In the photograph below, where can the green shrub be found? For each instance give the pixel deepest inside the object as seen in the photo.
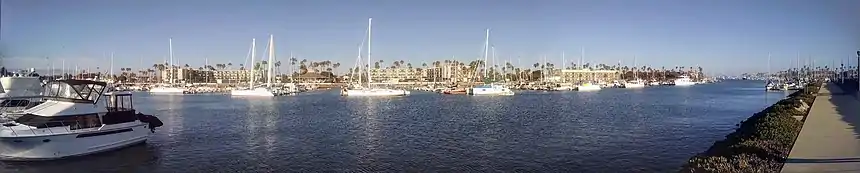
(762, 142)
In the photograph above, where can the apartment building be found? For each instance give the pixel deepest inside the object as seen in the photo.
(583, 75)
(397, 75)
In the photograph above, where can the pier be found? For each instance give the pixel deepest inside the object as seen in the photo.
(830, 138)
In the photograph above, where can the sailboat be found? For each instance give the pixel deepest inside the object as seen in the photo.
(637, 82)
(168, 88)
(370, 90)
(587, 85)
(259, 91)
(488, 88)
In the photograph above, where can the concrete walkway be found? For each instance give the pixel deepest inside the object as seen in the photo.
(830, 138)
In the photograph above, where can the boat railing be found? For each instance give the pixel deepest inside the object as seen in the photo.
(49, 130)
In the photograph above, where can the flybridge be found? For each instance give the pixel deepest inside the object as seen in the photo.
(80, 91)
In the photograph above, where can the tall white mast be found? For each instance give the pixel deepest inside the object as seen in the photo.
(767, 78)
(369, 32)
(494, 62)
(486, 49)
(253, 54)
(170, 64)
(635, 72)
(563, 63)
(358, 63)
(582, 57)
(271, 60)
(111, 65)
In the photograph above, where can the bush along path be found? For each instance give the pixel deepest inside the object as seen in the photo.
(762, 142)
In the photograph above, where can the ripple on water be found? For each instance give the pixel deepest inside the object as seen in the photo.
(651, 129)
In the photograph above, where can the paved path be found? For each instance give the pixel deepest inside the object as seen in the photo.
(830, 138)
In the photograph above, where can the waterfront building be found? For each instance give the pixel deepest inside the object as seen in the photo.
(584, 75)
(187, 75)
(449, 71)
(234, 76)
(397, 75)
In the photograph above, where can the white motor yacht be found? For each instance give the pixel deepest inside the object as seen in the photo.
(260, 91)
(19, 91)
(684, 81)
(374, 92)
(489, 89)
(587, 87)
(164, 89)
(634, 84)
(70, 123)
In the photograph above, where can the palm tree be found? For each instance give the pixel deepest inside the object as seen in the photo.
(335, 65)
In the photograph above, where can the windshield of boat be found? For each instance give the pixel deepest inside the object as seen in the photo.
(74, 91)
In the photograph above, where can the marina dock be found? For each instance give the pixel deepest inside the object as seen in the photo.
(830, 138)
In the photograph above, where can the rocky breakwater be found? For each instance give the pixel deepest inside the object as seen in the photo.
(762, 142)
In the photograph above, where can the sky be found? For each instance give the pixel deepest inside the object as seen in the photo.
(727, 36)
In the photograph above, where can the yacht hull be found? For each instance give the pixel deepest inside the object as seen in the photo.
(375, 92)
(52, 147)
(495, 90)
(588, 88)
(254, 92)
(166, 90)
(684, 83)
(639, 85)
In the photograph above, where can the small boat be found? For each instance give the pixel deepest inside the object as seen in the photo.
(587, 87)
(374, 92)
(70, 123)
(455, 91)
(165, 89)
(684, 81)
(634, 84)
(489, 89)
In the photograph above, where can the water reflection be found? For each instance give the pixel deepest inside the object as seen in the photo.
(654, 129)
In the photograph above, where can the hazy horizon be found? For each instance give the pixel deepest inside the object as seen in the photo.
(727, 37)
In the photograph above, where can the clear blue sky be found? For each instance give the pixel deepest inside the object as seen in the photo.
(722, 36)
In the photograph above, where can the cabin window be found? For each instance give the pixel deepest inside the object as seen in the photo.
(74, 121)
(119, 117)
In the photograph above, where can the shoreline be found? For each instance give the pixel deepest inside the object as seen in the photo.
(761, 142)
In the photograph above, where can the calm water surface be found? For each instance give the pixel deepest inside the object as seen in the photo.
(653, 129)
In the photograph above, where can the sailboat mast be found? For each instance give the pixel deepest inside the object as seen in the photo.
(635, 72)
(486, 49)
(253, 54)
(494, 62)
(359, 65)
(172, 71)
(768, 67)
(271, 60)
(369, 32)
(563, 63)
(111, 65)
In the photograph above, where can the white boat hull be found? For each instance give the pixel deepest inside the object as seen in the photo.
(375, 92)
(634, 85)
(166, 90)
(684, 83)
(588, 88)
(255, 92)
(491, 91)
(50, 147)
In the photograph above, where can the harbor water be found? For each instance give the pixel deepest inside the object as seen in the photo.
(654, 129)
